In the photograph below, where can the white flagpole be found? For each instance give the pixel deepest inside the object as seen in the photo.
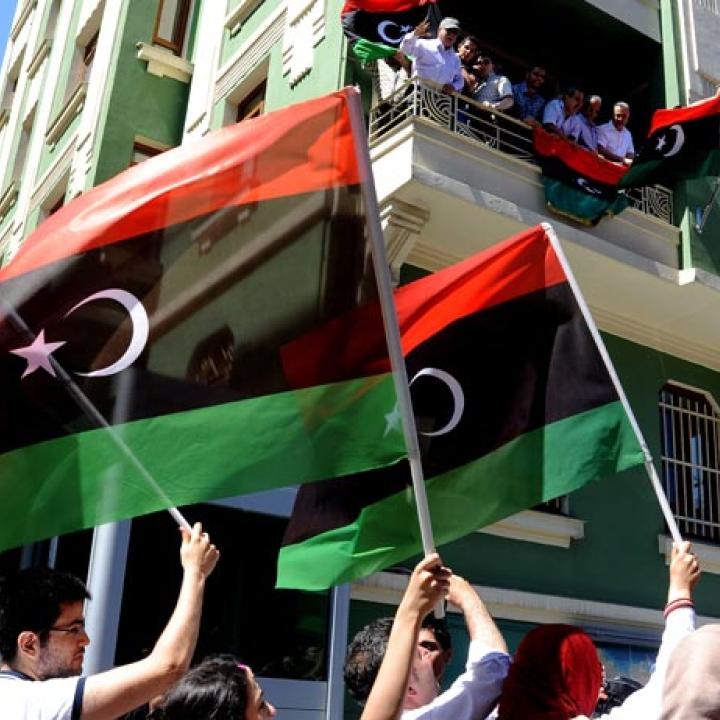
(392, 332)
(649, 465)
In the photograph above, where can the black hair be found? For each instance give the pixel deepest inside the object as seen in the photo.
(364, 657)
(439, 627)
(31, 600)
(472, 39)
(216, 689)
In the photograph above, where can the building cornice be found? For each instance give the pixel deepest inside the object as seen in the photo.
(8, 197)
(538, 527)
(40, 54)
(164, 64)
(237, 16)
(529, 607)
(22, 19)
(67, 114)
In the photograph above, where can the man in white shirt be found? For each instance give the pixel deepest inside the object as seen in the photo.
(560, 114)
(387, 651)
(435, 59)
(43, 641)
(615, 142)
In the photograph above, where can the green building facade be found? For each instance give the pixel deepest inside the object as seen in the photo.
(90, 87)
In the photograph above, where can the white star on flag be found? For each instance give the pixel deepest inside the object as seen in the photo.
(38, 354)
(662, 142)
(393, 420)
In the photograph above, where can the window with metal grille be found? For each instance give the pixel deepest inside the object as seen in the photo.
(689, 421)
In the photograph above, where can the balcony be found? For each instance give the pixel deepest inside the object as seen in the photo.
(431, 146)
(448, 189)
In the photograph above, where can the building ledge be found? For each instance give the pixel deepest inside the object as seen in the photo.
(67, 114)
(8, 197)
(238, 15)
(538, 527)
(24, 15)
(164, 64)
(708, 555)
(530, 607)
(42, 52)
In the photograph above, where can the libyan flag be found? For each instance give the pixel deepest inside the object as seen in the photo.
(682, 144)
(578, 184)
(376, 27)
(514, 406)
(142, 330)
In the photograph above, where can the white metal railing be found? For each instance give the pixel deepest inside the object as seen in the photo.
(469, 119)
(690, 461)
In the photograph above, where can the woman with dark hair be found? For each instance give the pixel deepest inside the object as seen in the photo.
(557, 675)
(219, 688)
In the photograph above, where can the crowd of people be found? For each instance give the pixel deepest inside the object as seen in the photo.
(472, 72)
(394, 666)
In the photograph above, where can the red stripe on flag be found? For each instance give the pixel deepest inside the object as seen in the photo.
(304, 148)
(383, 6)
(354, 344)
(518, 266)
(579, 159)
(697, 111)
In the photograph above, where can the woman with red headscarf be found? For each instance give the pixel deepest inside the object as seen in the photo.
(556, 673)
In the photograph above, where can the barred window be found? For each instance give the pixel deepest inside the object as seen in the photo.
(689, 425)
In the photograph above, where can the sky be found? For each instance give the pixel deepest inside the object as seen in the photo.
(7, 10)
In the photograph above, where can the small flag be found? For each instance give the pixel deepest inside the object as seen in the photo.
(160, 302)
(514, 406)
(578, 184)
(383, 22)
(683, 143)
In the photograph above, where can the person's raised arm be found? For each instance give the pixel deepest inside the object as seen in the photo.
(479, 623)
(124, 688)
(428, 584)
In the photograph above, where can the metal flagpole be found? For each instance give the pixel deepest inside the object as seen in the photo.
(392, 332)
(83, 401)
(649, 465)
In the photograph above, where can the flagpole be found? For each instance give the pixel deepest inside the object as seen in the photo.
(649, 465)
(85, 404)
(392, 332)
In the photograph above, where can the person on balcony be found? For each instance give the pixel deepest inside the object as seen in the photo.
(560, 114)
(468, 52)
(615, 142)
(494, 91)
(529, 103)
(435, 60)
(587, 130)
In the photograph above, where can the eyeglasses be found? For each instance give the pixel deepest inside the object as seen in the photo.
(77, 628)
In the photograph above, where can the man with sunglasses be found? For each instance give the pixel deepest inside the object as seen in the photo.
(43, 641)
(435, 60)
(493, 91)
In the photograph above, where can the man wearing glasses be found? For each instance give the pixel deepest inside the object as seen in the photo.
(43, 641)
(493, 91)
(435, 60)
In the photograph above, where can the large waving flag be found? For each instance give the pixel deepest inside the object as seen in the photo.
(376, 27)
(142, 329)
(514, 406)
(578, 184)
(682, 143)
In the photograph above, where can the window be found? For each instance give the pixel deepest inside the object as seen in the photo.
(143, 151)
(171, 24)
(253, 104)
(689, 425)
(280, 633)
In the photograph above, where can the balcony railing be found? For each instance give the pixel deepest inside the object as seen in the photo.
(465, 117)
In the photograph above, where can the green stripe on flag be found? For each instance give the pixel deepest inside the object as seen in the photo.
(531, 469)
(83, 480)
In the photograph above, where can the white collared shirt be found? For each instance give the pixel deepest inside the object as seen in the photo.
(433, 61)
(618, 142)
(474, 694)
(56, 699)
